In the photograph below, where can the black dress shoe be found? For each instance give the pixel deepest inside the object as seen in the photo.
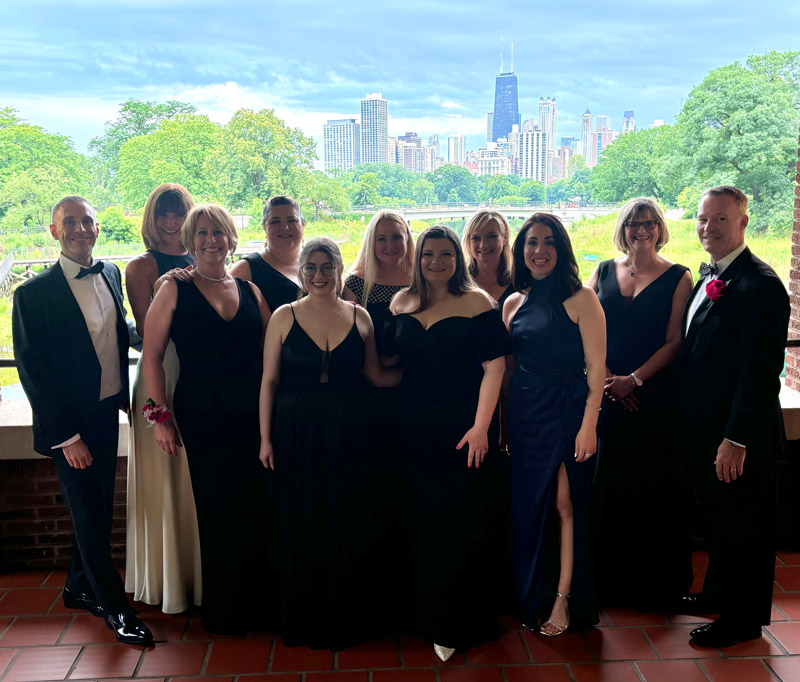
(81, 600)
(721, 634)
(129, 629)
(695, 604)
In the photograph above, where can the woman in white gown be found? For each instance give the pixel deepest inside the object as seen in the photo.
(163, 547)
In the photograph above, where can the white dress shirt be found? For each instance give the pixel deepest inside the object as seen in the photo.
(100, 313)
(700, 296)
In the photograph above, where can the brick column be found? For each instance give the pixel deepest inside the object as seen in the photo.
(793, 356)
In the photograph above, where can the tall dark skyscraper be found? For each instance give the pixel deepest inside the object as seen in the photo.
(506, 105)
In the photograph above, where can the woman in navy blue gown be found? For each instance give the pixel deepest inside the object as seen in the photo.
(554, 398)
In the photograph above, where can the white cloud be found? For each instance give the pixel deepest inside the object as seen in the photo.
(452, 105)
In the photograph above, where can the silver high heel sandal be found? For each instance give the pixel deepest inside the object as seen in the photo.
(444, 653)
(559, 629)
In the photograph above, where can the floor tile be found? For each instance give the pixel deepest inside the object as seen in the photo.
(688, 619)
(417, 653)
(238, 657)
(788, 577)
(139, 679)
(165, 627)
(282, 677)
(5, 658)
(567, 648)
(699, 558)
(116, 660)
(732, 670)
(38, 665)
(34, 631)
(675, 642)
(775, 615)
(632, 617)
(471, 674)
(215, 678)
(507, 649)
(379, 654)
(23, 579)
(4, 623)
(788, 669)
(88, 630)
(197, 631)
(788, 634)
(173, 658)
(619, 644)
(537, 673)
(604, 672)
(763, 646)
(789, 604)
(790, 558)
(405, 675)
(670, 671)
(55, 579)
(299, 659)
(347, 676)
(27, 602)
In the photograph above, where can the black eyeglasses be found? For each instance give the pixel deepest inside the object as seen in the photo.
(309, 269)
(634, 225)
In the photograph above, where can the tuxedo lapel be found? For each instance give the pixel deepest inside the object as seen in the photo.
(116, 294)
(687, 307)
(66, 313)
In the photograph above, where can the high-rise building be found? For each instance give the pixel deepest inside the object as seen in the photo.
(571, 142)
(628, 122)
(657, 123)
(456, 149)
(433, 141)
(411, 138)
(547, 120)
(534, 160)
(341, 144)
(601, 138)
(603, 122)
(489, 126)
(506, 105)
(374, 129)
(586, 133)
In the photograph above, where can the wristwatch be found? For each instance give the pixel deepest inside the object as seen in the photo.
(636, 380)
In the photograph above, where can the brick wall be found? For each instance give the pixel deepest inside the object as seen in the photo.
(793, 355)
(35, 529)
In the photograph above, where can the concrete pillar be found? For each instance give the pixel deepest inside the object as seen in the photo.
(793, 356)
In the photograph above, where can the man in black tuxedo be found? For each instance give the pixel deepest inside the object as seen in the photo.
(735, 328)
(71, 345)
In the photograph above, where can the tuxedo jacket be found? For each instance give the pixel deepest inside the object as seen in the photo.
(730, 363)
(57, 362)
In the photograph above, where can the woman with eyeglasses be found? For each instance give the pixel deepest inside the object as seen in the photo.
(317, 353)
(637, 491)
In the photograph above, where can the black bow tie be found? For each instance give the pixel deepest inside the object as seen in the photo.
(706, 269)
(96, 269)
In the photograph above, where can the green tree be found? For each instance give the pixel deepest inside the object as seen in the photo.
(323, 193)
(395, 181)
(364, 192)
(558, 190)
(423, 191)
(449, 181)
(184, 150)
(740, 126)
(494, 187)
(115, 226)
(135, 118)
(532, 190)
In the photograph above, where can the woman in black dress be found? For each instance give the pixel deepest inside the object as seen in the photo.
(316, 355)
(217, 323)
(638, 489)
(451, 341)
(554, 396)
(487, 250)
(274, 269)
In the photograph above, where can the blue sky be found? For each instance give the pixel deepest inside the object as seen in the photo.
(67, 65)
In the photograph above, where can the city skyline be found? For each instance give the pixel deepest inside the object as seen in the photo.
(67, 68)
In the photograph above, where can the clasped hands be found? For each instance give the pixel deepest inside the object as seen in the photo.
(620, 390)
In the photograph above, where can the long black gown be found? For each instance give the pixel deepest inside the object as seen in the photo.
(276, 287)
(641, 515)
(546, 403)
(449, 507)
(323, 501)
(216, 406)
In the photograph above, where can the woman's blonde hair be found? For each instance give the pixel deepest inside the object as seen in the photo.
(366, 263)
(166, 198)
(638, 208)
(477, 221)
(218, 216)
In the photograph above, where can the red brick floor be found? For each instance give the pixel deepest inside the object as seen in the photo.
(40, 640)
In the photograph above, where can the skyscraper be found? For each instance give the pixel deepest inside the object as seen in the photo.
(342, 144)
(433, 141)
(506, 105)
(628, 122)
(489, 126)
(603, 122)
(456, 149)
(374, 129)
(586, 133)
(534, 160)
(547, 120)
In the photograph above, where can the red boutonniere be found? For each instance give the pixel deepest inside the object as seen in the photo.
(716, 289)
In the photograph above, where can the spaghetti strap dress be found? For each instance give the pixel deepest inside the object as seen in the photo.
(276, 287)
(216, 408)
(162, 559)
(323, 587)
(546, 402)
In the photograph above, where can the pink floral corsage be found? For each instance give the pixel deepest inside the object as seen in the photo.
(716, 289)
(155, 414)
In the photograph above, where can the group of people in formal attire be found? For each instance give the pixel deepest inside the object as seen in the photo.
(452, 429)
